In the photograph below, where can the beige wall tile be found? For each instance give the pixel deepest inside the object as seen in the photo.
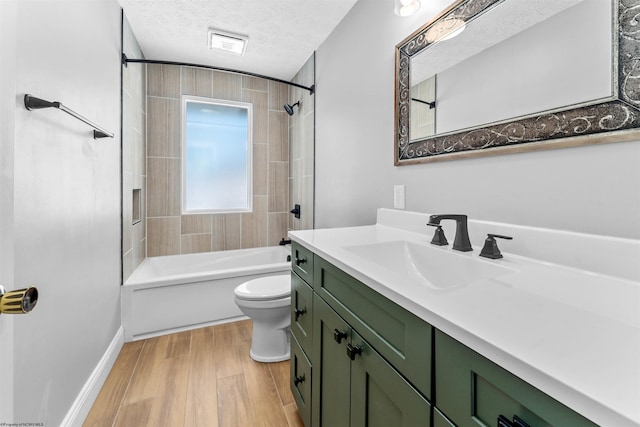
(227, 86)
(260, 169)
(278, 96)
(139, 242)
(163, 195)
(278, 186)
(163, 139)
(194, 243)
(163, 236)
(254, 224)
(226, 232)
(278, 136)
(307, 204)
(255, 83)
(270, 138)
(260, 116)
(163, 80)
(196, 224)
(278, 223)
(197, 81)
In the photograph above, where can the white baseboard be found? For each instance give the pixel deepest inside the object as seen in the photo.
(84, 401)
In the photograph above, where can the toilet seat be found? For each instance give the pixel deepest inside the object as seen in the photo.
(265, 288)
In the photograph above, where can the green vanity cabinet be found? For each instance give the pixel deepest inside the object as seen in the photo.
(353, 385)
(473, 391)
(359, 359)
(402, 338)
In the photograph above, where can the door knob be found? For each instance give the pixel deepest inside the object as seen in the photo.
(19, 301)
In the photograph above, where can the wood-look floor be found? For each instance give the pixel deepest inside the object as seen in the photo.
(202, 377)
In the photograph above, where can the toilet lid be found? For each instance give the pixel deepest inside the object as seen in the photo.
(270, 287)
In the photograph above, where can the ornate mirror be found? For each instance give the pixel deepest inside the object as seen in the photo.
(495, 76)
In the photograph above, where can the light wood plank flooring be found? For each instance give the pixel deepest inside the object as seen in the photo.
(202, 377)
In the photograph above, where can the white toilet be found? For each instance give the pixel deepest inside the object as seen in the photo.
(267, 301)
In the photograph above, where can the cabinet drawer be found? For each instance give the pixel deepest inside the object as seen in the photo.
(301, 381)
(472, 391)
(403, 339)
(302, 262)
(302, 312)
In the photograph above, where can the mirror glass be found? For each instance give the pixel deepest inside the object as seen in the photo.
(563, 38)
(512, 67)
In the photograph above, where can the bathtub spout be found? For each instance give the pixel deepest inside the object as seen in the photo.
(284, 242)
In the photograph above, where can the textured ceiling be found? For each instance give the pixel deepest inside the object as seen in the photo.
(283, 34)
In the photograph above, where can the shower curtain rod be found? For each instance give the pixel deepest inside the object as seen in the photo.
(33, 103)
(126, 60)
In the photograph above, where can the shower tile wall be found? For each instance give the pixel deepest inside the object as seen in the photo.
(169, 232)
(302, 137)
(133, 155)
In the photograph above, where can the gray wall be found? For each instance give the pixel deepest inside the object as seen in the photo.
(592, 189)
(60, 197)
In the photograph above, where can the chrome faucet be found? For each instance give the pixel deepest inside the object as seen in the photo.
(461, 241)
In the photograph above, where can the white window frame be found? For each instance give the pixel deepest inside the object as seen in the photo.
(223, 102)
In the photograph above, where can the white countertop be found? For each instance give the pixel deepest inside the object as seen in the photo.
(572, 333)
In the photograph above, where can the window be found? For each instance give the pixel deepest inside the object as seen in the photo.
(216, 156)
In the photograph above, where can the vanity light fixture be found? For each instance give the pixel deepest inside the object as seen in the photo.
(227, 42)
(406, 7)
(445, 30)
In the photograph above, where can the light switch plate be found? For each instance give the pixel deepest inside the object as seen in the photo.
(399, 196)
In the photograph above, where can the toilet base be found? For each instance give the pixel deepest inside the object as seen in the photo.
(270, 345)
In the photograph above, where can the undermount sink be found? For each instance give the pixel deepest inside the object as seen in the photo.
(435, 267)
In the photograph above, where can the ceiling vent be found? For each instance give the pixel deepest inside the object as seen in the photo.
(227, 42)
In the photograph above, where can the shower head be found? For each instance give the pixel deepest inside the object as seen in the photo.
(289, 108)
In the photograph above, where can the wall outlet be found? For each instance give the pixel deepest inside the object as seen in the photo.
(398, 197)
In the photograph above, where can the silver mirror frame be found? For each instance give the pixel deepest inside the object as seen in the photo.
(613, 120)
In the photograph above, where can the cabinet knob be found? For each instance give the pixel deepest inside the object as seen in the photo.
(300, 261)
(298, 380)
(353, 351)
(338, 335)
(298, 312)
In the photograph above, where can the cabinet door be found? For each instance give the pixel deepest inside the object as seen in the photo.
(331, 367)
(473, 391)
(301, 381)
(302, 312)
(380, 396)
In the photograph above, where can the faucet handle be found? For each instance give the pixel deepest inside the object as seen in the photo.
(438, 237)
(490, 249)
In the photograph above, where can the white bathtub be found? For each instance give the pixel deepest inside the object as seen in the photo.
(179, 292)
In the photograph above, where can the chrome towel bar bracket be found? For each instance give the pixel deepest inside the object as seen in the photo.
(33, 103)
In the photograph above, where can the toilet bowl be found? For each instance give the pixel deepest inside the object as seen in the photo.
(267, 301)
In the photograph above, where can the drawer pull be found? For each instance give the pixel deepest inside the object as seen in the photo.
(298, 380)
(299, 312)
(300, 261)
(353, 351)
(517, 422)
(339, 335)
(503, 421)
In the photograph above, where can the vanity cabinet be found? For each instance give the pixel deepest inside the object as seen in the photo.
(473, 391)
(353, 385)
(359, 359)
